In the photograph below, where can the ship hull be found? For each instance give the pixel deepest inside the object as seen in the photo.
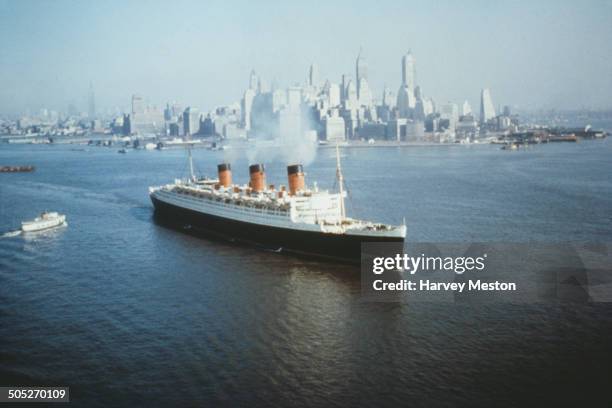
(339, 247)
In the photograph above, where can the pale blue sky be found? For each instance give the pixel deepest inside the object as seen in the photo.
(531, 54)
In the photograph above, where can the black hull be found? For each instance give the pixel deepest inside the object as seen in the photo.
(343, 248)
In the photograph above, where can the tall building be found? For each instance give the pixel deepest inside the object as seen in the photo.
(246, 107)
(388, 98)
(253, 81)
(91, 102)
(351, 95)
(313, 76)
(406, 100)
(344, 87)
(408, 70)
(137, 105)
(365, 95)
(191, 121)
(487, 109)
(294, 97)
(334, 127)
(361, 70)
(264, 120)
(334, 95)
(145, 119)
(450, 112)
(466, 109)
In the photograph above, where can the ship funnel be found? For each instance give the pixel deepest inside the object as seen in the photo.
(225, 174)
(258, 177)
(295, 174)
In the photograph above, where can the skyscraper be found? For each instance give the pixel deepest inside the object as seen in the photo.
(344, 87)
(361, 70)
(191, 121)
(247, 106)
(365, 96)
(253, 80)
(408, 70)
(406, 100)
(466, 109)
(313, 75)
(137, 105)
(487, 109)
(334, 95)
(351, 95)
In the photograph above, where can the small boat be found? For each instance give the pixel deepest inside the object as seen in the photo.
(123, 151)
(16, 169)
(45, 221)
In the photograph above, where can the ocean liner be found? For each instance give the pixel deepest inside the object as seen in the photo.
(295, 219)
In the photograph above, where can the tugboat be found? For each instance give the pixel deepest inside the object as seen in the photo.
(295, 219)
(45, 221)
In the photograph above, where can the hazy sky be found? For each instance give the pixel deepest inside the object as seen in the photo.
(531, 54)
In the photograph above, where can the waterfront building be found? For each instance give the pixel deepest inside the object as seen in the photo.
(127, 125)
(487, 109)
(137, 105)
(396, 129)
(432, 123)
(174, 129)
(415, 131)
(450, 112)
(371, 130)
(351, 121)
(334, 127)
(145, 119)
(467, 127)
(246, 107)
(233, 131)
(207, 126)
(191, 121)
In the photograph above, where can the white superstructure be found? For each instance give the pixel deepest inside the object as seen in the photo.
(309, 210)
(45, 221)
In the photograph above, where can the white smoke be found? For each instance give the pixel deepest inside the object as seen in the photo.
(288, 136)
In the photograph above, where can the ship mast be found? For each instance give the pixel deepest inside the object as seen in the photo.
(340, 183)
(191, 173)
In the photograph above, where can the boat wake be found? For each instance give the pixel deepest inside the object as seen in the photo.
(10, 234)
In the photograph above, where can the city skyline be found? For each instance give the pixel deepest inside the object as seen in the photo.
(465, 49)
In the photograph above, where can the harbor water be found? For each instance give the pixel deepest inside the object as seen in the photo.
(127, 312)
